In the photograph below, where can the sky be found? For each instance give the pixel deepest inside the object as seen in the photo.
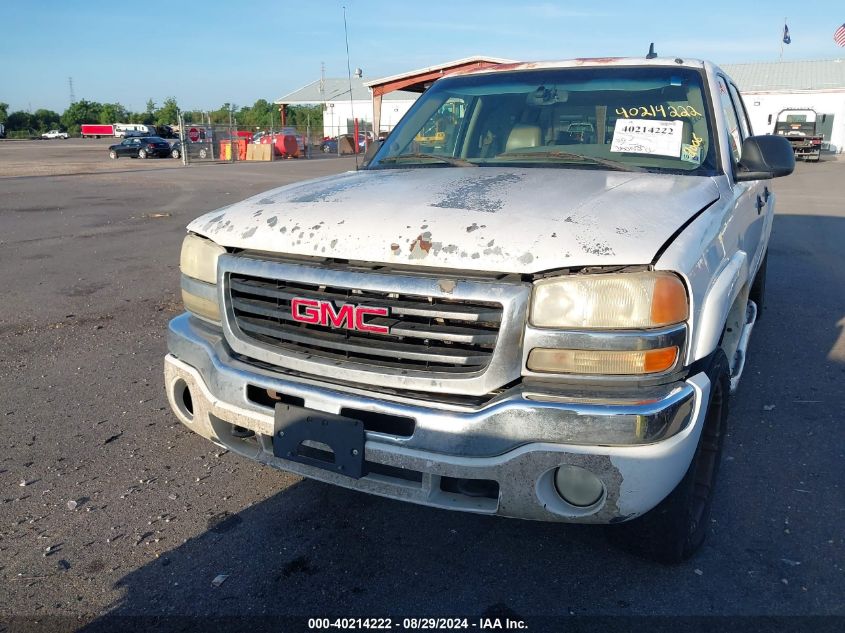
(214, 52)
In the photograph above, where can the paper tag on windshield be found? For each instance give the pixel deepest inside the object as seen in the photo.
(642, 136)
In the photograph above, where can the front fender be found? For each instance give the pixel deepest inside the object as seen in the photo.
(721, 295)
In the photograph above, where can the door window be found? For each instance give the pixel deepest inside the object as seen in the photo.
(739, 105)
(731, 120)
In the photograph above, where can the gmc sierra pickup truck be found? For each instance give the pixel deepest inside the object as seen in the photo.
(541, 315)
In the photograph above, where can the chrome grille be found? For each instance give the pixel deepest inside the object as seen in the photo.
(425, 333)
(449, 333)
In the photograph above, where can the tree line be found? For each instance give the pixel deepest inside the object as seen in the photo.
(261, 115)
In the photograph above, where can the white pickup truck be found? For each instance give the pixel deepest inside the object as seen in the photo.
(538, 312)
(54, 134)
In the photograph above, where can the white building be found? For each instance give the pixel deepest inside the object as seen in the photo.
(341, 108)
(769, 87)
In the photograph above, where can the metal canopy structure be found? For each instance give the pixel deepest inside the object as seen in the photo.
(419, 80)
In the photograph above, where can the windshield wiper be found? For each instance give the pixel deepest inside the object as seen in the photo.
(448, 160)
(611, 164)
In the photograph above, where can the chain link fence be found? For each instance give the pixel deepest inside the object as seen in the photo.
(201, 141)
(204, 141)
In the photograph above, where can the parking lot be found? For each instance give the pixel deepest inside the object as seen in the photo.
(110, 506)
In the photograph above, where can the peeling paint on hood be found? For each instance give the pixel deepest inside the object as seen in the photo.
(488, 219)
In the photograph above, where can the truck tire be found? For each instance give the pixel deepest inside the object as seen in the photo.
(757, 294)
(674, 530)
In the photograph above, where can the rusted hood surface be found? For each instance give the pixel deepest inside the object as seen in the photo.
(486, 219)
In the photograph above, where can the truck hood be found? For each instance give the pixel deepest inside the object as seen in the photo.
(483, 219)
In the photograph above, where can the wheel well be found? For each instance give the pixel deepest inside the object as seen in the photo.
(729, 339)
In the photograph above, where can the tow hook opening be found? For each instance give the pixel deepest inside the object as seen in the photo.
(486, 488)
(183, 399)
(241, 432)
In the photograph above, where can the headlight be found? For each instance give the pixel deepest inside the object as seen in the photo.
(618, 301)
(199, 258)
(199, 263)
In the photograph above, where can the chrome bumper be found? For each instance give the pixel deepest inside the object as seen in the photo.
(517, 439)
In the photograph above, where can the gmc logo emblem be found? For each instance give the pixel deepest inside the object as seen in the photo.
(348, 316)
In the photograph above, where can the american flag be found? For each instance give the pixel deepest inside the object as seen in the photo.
(839, 35)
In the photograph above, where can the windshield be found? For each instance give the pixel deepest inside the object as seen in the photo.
(621, 118)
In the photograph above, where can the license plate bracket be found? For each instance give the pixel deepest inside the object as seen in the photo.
(344, 436)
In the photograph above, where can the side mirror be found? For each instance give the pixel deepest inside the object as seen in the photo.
(765, 157)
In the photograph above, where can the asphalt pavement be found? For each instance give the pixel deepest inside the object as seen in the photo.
(110, 506)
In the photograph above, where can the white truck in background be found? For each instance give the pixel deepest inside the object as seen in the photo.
(53, 134)
(540, 316)
(122, 130)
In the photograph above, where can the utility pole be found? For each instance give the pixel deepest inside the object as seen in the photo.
(70, 87)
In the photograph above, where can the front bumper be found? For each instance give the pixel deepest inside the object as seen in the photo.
(517, 440)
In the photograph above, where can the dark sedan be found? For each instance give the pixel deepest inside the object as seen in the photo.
(140, 147)
(200, 149)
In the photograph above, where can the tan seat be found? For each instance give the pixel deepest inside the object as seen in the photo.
(523, 136)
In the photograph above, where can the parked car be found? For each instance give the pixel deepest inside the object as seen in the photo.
(165, 131)
(548, 329)
(140, 147)
(54, 134)
(329, 146)
(199, 149)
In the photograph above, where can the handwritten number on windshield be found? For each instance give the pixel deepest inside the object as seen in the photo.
(675, 112)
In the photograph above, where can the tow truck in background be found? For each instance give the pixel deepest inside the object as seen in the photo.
(800, 127)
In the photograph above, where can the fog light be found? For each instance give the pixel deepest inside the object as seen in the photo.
(578, 486)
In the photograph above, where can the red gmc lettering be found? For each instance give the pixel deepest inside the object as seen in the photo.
(361, 312)
(347, 316)
(310, 312)
(340, 318)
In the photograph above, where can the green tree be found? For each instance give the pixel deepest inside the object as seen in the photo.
(43, 120)
(113, 113)
(301, 117)
(261, 114)
(141, 117)
(168, 113)
(222, 114)
(19, 120)
(4, 112)
(80, 112)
